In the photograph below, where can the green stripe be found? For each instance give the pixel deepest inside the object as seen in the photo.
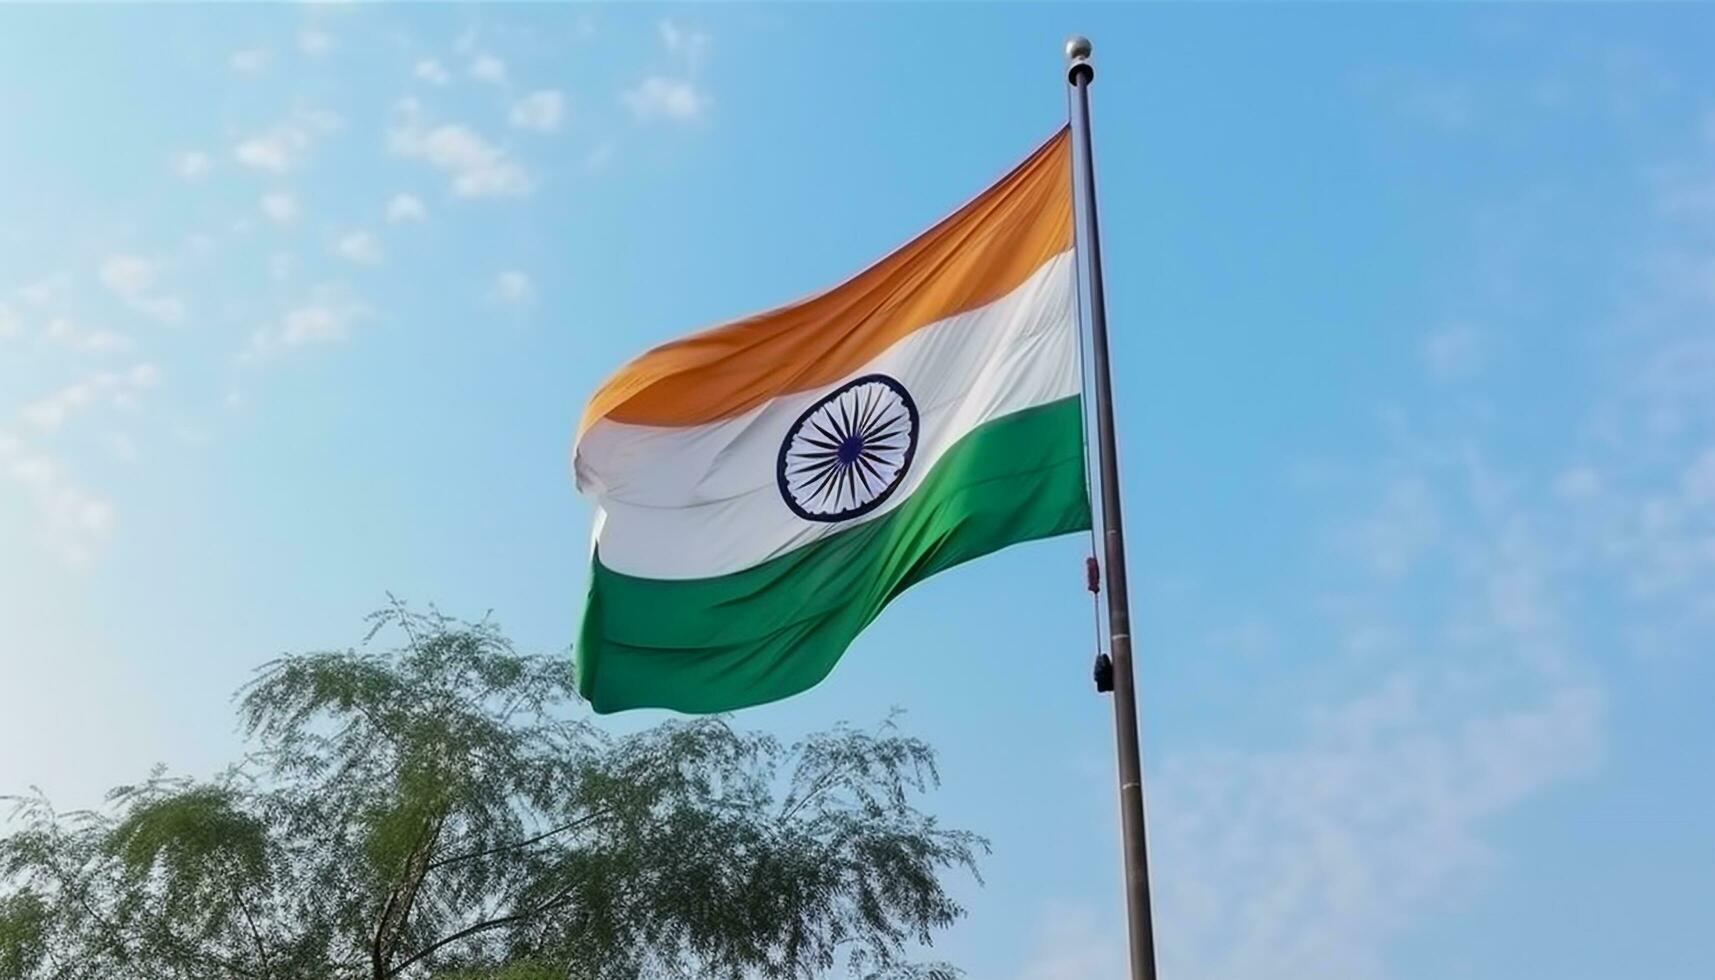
(767, 632)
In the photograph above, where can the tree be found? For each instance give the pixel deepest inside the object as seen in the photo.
(437, 810)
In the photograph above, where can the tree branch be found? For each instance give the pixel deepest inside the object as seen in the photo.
(570, 825)
(821, 784)
(484, 926)
(117, 934)
(250, 920)
(399, 900)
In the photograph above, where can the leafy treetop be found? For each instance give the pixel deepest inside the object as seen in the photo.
(435, 809)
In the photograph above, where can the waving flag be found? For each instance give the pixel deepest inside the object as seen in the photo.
(765, 487)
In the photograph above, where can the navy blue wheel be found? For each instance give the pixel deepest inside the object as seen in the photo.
(849, 451)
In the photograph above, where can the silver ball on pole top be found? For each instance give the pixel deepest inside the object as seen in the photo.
(1078, 50)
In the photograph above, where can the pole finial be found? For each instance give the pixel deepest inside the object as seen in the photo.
(1078, 49)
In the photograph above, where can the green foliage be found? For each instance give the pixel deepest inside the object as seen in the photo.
(436, 810)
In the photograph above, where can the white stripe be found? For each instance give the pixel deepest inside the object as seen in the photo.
(700, 501)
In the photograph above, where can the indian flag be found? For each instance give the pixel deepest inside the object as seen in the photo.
(764, 488)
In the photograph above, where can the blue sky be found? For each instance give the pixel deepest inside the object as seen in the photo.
(1414, 317)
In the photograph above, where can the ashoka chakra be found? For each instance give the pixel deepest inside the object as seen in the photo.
(848, 452)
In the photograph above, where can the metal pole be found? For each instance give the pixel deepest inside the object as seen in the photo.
(1079, 74)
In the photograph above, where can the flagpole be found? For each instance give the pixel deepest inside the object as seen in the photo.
(1079, 74)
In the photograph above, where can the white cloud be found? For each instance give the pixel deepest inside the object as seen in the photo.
(166, 309)
(191, 435)
(280, 266)
(50, 412)
(145, 375)
(1685, 195)
(360, 247)
(11, 324)
(1247, 639)
(1404, 529)
(103, 340)
(431, 71)
(99, 341)
(327, 318)
(47, 291)
(314, 43)
(1579, 483)
(488, 68)
(540, 111)
(1456, 351)
(72, 520)
(477, 168)
(284, 145)
(133, 279)
(1447, 105)
(122, 447)
(1309, 859)
(250, 61)
(599, 157)
(279, 206)
(672, 99)
(192, 165)
(513, 287)
(315, 325)
(406, 207)
(120, 388)
(1074, 942)
(688, 45)
(128, 275)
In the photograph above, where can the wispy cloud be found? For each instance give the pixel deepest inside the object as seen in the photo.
(319, 324)
(660, 98)
(283, 146)
(314, 42)
(512, 288)
(281, 266)
(1448, 105)
(250, 61)
(686, 44)
(192, 165)
(599, 157)
(406, 207)
(432, 71)
(1070, 945)
(540, 111)
(64, 332)
(328, 318)
(119, 389)
(72, 520)
(487, 67)
(673, 96)
(1401, 531)
(477, 167)
(46, 291)
(134, 279)
(1455, 351)
(360, 247)
(279, 207)
(1309, 859)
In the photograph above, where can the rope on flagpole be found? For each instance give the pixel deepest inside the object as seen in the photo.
(1103, 670)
